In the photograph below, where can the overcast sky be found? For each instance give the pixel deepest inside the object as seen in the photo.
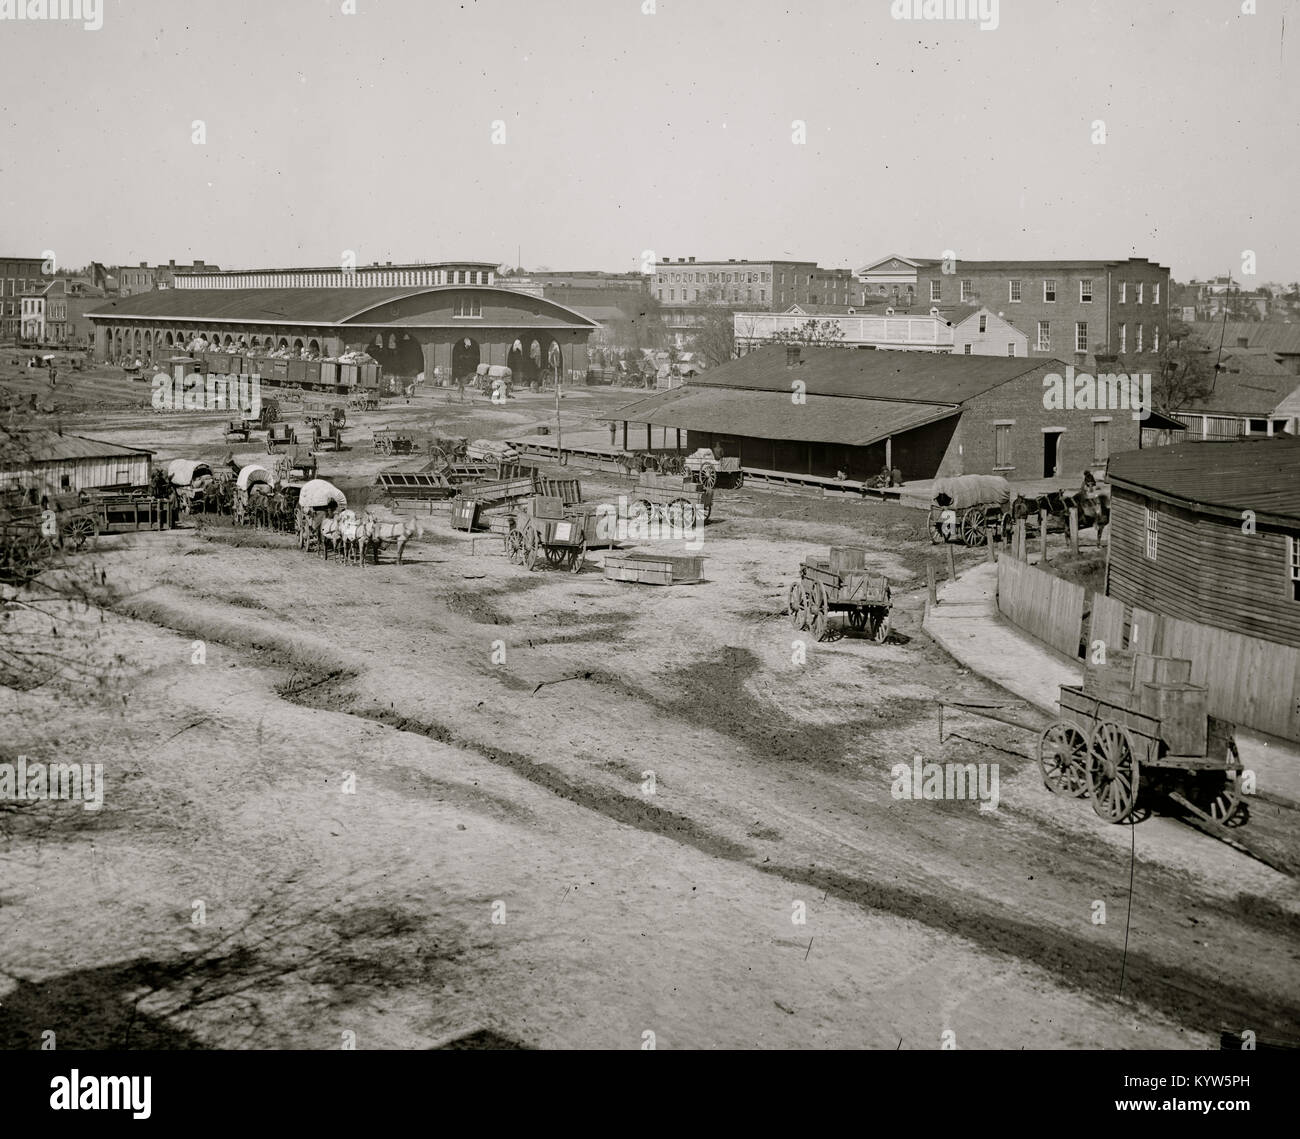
(669, 132)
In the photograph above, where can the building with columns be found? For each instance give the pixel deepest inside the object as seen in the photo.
(444, 332)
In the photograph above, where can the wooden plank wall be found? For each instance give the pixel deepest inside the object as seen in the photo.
(1144, 631)
(1251, 682)
(1107, 624)
(1042, 604)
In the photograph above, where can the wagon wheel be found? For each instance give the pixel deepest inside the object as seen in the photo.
(531, 546)
(708, 510)
(797, 606)
(555, 554)
(1113, 772)
(935, 526)
(740, 479)
(819, 612)
(641, 510)
(973, 531)
(688, 514)
(78, 531)
(515, 547)
(880, 628)
(1226, 806)
(25, 557)
(708, 478)
(1063, 759)
(576, 557)
(857, 619)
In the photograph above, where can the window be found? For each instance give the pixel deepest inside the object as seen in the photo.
(1123, 337)
(661, 294)
(967, 288)
(1155, 293)
(1153, 534)
(1123, 292)
(467, 306)
(934, 290)
(65, 482)
(966, 350)
(1139, 339)
(1013, 294)
(1085, 291)
(672, 294)
(1049, 292)
(1011, 348)
(1293, 566)
(1100, 440)
(762, 295)
(1081, 336)
(1002, 446)
(1044, 336)
(1140, 288)
(984, 323)
(1155, 339)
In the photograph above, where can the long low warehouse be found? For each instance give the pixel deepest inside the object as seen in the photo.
(828, 412)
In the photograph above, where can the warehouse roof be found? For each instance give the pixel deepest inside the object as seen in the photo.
(288, 305)
(1245, 393)
(1254, 473)
(45, 446)
(772, 415)
(1279, 336)
(925, 377)
(1014, 266)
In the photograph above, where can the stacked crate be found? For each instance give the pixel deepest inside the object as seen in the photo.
(1159, 687)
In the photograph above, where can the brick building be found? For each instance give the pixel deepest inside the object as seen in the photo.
(931, 415)
(1068, 310)
(145, 278)
(55, 313)
(18, 275)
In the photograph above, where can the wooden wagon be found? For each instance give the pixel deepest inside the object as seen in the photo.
(390, 442)
(28, 540)
(238, 429)
(675, 499)
(542, 531)
(710, 471)
(841, 583)
(1137, 725)
(502, 496)
(327, 433)
(280, 435)
(968, 509)
(318, 412)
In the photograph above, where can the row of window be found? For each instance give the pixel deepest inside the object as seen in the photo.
(1011, 348)
(398, 277)
(717, 278)
(735, 295)
(1002, 459)
(1044, 341)
(1015, 292)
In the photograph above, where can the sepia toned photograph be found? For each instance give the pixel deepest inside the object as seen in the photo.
(601, 525)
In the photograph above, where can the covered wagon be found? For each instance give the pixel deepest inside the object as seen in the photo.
(968, 508)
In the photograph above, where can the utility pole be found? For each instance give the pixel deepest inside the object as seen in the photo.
(559, 438)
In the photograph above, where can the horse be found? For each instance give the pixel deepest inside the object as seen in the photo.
(328, 532)
(381, 530)
(1093, 507)
(352, 534)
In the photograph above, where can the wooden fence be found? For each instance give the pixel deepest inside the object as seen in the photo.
(1042, 604)
(1251, 682)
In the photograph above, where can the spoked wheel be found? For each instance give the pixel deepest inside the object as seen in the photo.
(555, 555)
(1063, 759)
(798, 605)
(640, 511)
(740, 479)
(880, 628)
(576, 557)
(819, 612)
(1112, 772)
(1222, 801)
(531, 550)
(515, 547)
(708, 478)
(973, 531)
(24, 557)
(79, 531)
(675, 513)
(857, 619)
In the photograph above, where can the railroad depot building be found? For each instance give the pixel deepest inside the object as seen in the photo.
(1210, 532)
(820, 411)
(444, 332)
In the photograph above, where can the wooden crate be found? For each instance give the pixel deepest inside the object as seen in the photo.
(464, 514)
(654, 569)
(1160, 670)
(1182, 710)
(845, 559)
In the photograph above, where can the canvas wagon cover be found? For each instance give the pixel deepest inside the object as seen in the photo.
(183, 472)
(319, 492)
(253, 474)
(973, 490)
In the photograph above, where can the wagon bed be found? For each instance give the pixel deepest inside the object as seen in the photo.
(840, 583)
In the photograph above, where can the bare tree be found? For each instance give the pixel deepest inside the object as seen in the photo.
(1184, 371)
(813, 333)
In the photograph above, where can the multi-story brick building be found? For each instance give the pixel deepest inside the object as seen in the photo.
(144, 278)
(18, 275)
(1071, 310)
(55, 313)
(687, 288)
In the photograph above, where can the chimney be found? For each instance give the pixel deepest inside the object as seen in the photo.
(692, 260)
(198, 264)
(171, 264)
(144, 264)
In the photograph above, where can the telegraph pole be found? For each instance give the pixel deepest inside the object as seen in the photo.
(559, 438)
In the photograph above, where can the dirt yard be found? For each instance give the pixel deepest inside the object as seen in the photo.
(459, 802)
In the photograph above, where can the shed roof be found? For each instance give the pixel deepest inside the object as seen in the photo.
(924, 377)
(1245, 393)
(42, 445)
(1254, 473)
(288, 305)
(1280, 336)
(771, 415)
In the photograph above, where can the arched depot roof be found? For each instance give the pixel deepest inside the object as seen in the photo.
(427, 306)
